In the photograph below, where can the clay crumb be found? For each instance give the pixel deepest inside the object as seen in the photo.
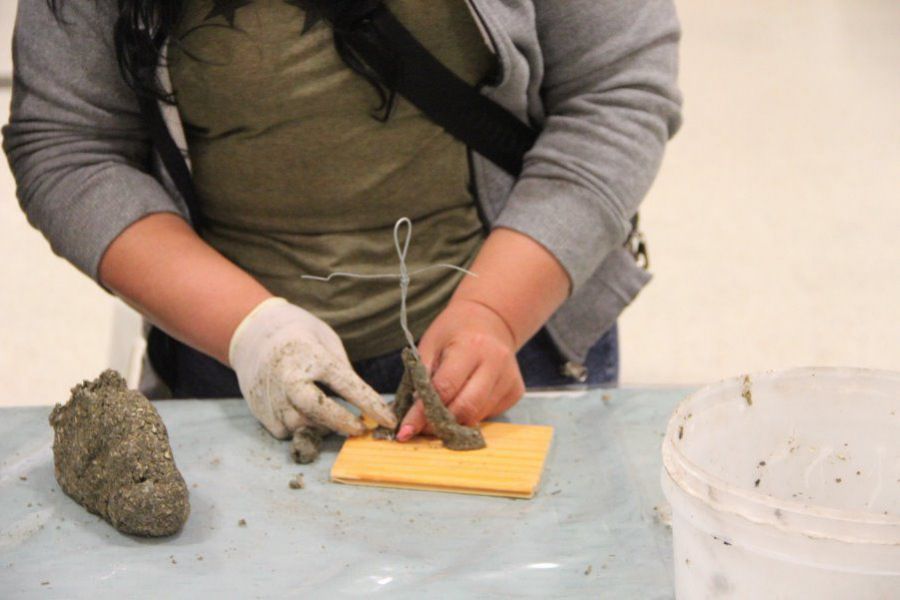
(589, 569)
(297, 482)
(307, 443)
(762, 463)
(746, 392)
(837, 480)
(242, 523)
(383, 433)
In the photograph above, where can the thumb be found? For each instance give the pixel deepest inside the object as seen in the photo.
(413, 423)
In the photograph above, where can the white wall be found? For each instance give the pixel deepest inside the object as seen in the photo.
(774, 223)
(7, 16)
(772, 226)
(55, 325)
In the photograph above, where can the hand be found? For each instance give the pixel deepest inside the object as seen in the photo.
(471, 355)
(279, 352)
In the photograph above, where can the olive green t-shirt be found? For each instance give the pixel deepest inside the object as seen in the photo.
(295, 177)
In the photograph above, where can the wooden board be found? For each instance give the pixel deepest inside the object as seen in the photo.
(510, 465)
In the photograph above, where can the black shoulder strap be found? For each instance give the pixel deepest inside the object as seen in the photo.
(465, 113)
(468, 115)
(171, 157)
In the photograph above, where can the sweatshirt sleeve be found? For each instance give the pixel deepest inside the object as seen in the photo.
(75, 140)
(612, 102)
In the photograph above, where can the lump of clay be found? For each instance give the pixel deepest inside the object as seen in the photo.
(416, 380)
(112, 455)
(307, 444)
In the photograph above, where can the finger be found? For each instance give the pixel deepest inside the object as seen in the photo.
(413, 422)
(475, 399)
(456, 366)
(429, 351)
(512, 393)
(269, 406)
(292, 419)
(330, 340)
(343, 380)
(313, 404)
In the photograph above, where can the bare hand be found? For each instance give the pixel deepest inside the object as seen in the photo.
(471, 355)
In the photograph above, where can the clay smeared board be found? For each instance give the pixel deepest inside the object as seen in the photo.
(511, 465)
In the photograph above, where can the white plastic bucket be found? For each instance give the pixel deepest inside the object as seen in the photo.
(787, 485)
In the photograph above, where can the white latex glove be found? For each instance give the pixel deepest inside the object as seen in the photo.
(279, 352)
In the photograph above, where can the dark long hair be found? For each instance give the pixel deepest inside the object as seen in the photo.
(143, 26)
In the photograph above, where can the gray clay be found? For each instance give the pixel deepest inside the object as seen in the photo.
(403, 399)
(307, 444)
(112, 455)
(383, 433)
(452, 434)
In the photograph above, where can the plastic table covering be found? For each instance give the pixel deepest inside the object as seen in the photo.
(592, 530)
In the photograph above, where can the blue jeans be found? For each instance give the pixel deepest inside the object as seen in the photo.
(199, 376)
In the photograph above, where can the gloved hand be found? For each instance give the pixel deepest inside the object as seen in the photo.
(279, 352)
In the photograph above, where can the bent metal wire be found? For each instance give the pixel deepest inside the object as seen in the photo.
(403, 275)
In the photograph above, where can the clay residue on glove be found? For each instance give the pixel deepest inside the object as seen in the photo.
(112, 455)
(416, 380)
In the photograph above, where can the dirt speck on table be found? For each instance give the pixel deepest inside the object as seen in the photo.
(297, 482)
(112, 455)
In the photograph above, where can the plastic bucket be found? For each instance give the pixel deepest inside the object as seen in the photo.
(787, 485)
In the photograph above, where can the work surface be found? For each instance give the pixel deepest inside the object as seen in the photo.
(592, 530)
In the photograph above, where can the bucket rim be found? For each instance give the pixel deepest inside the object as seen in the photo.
(693, 479)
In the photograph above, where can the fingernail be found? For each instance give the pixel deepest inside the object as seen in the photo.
(405, 433)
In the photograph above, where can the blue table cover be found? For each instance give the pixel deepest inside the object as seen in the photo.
(592, 530)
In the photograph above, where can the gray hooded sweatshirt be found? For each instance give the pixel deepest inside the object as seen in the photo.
(596, 77)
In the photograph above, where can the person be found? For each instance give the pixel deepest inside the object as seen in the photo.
(302, 161)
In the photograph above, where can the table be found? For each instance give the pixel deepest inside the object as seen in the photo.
(592, 530)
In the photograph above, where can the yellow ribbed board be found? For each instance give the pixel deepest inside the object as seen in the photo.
(510, 465)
